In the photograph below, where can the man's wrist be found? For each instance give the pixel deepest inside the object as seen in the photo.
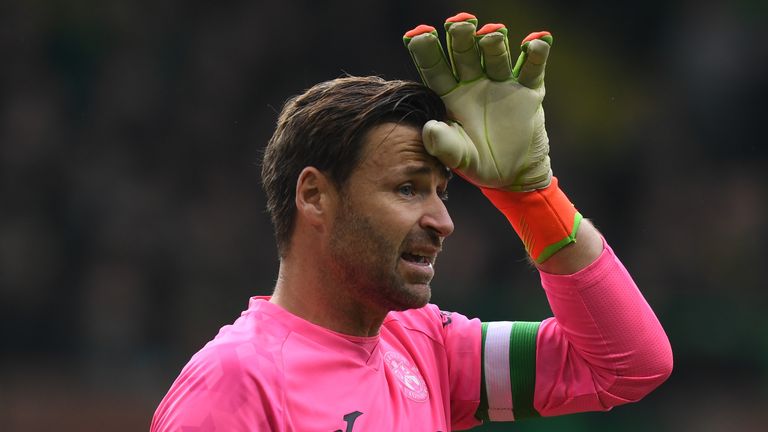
(545, 219)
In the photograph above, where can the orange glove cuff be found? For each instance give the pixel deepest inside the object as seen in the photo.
(544, 219)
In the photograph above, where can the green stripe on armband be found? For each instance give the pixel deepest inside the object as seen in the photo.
(522, 360)
(482, 409)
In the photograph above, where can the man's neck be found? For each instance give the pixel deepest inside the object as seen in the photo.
(306, 291)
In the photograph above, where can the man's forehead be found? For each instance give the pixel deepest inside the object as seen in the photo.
(399, 146)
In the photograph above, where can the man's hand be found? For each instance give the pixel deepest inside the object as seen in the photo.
(497, 139)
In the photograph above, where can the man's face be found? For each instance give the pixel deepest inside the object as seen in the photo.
(391, 221)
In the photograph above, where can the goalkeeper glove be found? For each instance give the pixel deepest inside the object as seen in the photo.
(497, 140)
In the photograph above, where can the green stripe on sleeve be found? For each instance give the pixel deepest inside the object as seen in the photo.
(522, 359)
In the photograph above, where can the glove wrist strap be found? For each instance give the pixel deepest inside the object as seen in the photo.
(544, 219)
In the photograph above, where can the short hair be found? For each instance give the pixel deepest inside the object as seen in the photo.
(325, 127)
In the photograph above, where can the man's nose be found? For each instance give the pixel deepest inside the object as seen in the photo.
(436, 217)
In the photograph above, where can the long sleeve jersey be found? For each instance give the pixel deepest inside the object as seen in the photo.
(426, 370)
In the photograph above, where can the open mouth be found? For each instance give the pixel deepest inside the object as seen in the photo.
(418, 259)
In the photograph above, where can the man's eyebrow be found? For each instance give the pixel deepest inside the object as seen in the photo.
(426, 170)
(417, 170)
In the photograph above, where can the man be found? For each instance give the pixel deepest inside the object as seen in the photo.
(355, 176)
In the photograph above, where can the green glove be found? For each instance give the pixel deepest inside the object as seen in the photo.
(497, 139)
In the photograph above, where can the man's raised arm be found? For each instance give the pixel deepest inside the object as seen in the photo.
(605, 346)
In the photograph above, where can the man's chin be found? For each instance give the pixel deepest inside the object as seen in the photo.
(413, 296)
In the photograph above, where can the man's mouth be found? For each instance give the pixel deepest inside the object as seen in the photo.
(424, 260)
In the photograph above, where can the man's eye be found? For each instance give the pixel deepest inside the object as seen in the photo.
(407, 190)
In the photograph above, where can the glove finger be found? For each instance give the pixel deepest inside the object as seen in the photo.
(492, 39)
(427, 54)
(449, 143)
(532, 62)
(462, 47)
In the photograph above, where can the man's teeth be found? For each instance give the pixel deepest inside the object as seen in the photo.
(417, 258)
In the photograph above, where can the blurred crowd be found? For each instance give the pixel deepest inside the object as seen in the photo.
(133, 225)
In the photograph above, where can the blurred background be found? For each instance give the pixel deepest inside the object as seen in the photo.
(132, 221)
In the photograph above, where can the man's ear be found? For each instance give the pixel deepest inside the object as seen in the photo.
(314, 196)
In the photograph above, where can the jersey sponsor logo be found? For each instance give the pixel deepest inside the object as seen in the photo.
(350, 420)
(408, 376)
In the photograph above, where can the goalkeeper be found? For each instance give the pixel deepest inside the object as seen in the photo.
(355, 175)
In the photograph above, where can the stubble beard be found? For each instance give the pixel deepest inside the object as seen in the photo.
(366, 264)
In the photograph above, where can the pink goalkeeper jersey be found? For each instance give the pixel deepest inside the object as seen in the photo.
(426, 370)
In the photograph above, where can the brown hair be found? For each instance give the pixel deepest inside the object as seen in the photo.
(324, 127)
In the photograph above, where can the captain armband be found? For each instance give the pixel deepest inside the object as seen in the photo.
(508, 375)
